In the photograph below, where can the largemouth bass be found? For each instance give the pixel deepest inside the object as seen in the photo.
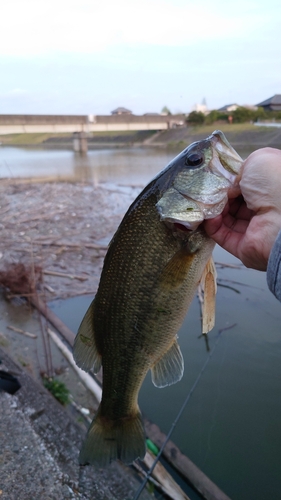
(151, 271)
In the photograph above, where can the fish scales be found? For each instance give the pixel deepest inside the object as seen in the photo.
(149, 278)
(138, 306)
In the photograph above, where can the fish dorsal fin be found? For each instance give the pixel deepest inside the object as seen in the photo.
(85, 351)
(169, 369)
(209, 286)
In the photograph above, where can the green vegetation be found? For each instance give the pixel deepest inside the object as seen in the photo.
(23, 362)
(57, 389)
(165, 110)
(65, 139)
(196, 118)
(28, 139)
(224, 127)
(240, 115)
(215, 116)
(242, 135)
(176, 144)
(109, 133)
(3, 340)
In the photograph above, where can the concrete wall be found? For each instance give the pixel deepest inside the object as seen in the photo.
(27, 124)
(37, 129)
(42, 119)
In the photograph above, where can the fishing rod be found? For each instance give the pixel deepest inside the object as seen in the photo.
(148, 474)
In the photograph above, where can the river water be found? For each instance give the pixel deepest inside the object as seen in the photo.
(231, 427)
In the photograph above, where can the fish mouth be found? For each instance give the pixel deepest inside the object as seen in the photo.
(229, 164)
(201, 211)
(182, 227)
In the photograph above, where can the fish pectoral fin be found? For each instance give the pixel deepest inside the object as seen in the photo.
(209, 287)
(169, 369)
(85, 351)
(176, 269)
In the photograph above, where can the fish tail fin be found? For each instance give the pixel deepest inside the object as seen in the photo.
(109, 440)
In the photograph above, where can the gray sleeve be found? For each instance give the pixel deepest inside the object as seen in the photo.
(273, 273)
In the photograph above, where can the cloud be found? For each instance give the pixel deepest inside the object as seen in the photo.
(91, 26)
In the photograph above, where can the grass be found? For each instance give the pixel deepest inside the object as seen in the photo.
(38, 139)
(28, 139)
(113, 133)
(242, 134)
(224, 127)
(57, 389)
(3, 340)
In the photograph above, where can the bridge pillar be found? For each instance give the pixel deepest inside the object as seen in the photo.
(80, 142)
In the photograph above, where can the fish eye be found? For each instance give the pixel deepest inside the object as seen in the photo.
(194, 159)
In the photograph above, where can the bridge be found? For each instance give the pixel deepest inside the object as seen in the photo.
(27, 124)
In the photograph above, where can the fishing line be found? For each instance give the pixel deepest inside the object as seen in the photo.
(148, 474)
(8, 168)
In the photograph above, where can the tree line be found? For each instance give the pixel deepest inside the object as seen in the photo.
(240, 115)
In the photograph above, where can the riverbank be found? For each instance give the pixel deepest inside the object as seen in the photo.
(98, 139)
(40, 444)
(237, 134)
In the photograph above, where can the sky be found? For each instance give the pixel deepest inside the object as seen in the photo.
(91, 56)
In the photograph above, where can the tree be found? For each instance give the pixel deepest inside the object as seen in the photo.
(166, 111)
(196, 117)
(242, 115)
(212, 117)
(260, 114)
(215, 116)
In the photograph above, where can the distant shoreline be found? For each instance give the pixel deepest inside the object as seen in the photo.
(178, 138)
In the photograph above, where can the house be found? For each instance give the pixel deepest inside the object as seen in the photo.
(228, 108)
(271, 104)
(121, 111)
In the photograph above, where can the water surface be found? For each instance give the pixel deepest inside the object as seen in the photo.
(131, 165)
(231, 427)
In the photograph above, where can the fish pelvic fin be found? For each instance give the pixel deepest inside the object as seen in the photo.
(85, 351)
(208, 285)
(109, 440)
(169, 369)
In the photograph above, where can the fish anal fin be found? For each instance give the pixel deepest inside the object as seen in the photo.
(169, 369)
(209, 286)
(109, 440)
(85, 351)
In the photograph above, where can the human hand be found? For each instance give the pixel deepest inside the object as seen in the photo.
(249, 224)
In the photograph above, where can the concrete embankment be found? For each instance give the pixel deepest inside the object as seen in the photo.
(237, 134)
(39, 450)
